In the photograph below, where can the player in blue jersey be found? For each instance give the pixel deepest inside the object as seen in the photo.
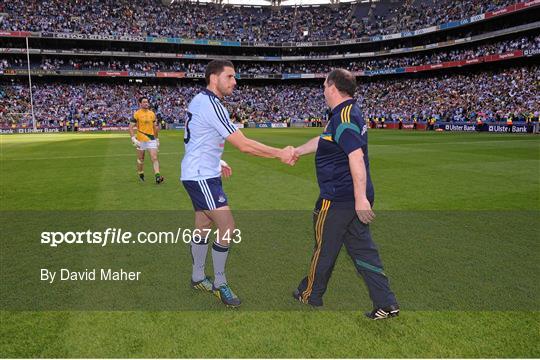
(207, 127)
(344, 209)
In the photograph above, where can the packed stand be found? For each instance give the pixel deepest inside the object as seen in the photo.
(97, 104)
(189, 20)
(418, 14)
(492, 95)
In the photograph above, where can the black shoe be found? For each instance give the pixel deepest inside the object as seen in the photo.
(383, 313)
(297, 296)
(141, 177)
(159, 179)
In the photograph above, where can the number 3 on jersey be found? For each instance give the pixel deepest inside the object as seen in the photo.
(187, 134)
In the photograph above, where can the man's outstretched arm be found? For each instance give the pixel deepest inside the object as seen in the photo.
(308, 148)
(252, 147)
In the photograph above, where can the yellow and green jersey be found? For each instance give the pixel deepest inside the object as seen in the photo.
(145, 120)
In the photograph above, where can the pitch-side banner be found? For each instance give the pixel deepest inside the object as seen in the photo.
(29, 130)
(507, 129)
(263, 125)
(104, 128)
(115, 128)
(494, 128)
(458, 127)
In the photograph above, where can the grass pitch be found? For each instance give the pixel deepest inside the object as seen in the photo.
(457, 226)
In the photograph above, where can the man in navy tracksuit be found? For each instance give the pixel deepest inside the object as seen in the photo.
(343, 211)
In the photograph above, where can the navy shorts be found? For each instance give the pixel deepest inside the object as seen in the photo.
(206, 194)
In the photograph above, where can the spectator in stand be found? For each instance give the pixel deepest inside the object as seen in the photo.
(212, 21)
(493, 95)
(257, 68)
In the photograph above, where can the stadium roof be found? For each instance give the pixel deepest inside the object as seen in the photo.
(283, 2)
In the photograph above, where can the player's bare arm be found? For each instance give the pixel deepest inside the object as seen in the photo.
(132, 129)
(252, 147)
(156, 128)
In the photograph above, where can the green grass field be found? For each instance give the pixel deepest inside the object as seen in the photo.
(457, 224)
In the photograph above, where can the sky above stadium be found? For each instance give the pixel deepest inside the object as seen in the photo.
(283, 2)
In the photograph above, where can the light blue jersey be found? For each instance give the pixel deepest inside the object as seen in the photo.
(207, 126)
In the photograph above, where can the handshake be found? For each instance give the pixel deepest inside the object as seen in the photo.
(289, 155)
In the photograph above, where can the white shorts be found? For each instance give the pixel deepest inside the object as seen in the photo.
(147, 145)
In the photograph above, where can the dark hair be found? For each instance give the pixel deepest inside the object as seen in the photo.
(343, 80)
(216, 67)
(142, 98)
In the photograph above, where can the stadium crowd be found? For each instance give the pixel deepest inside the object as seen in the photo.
(85, 63)
(492, 95)
(459, 97)
(211, 21)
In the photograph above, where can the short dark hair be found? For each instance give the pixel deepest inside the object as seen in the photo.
(216, 67)
(142, 98)
(343, 80)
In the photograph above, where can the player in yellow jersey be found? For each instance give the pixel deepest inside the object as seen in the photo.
(146, 137)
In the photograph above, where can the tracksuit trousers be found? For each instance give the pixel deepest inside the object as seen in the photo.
(336, 224)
